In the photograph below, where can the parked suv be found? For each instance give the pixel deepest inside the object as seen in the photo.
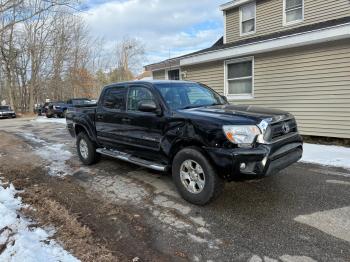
(188, 129)
(7, 112)
(60, 109)
(56, 109)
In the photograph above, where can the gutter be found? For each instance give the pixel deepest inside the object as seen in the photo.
(233, 4)
(327, 34)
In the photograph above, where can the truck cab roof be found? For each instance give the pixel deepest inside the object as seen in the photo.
(150, 82)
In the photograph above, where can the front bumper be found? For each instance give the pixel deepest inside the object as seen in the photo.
(7, 115)
(263, 160)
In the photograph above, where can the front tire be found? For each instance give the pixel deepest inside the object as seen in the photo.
(195, 178)
(86, 149)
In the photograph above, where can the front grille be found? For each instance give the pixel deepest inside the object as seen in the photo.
(277, 130)
(280, 129)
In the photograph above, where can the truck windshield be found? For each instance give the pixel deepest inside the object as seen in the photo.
(188, 95)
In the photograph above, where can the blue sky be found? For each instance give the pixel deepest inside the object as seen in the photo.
(164, 26)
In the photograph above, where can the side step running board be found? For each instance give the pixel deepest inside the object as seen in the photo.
(131, 159)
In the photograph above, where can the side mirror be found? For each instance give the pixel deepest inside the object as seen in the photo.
(147, 106)
(109, 103)
(225, 98)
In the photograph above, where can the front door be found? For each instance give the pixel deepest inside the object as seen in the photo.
(145, 129)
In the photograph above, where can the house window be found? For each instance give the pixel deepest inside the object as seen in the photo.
(293, 11)
(174, 74)
(239, 82)
(248, 19)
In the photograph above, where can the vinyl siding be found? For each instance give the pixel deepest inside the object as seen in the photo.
(158, 75)
(269, 14)
(311, 82)
(211, 74)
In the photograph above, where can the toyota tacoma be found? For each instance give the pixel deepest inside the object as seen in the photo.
(186, 129)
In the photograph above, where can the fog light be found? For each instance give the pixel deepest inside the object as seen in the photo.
(243, 166)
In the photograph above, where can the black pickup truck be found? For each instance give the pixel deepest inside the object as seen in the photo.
(188, 129)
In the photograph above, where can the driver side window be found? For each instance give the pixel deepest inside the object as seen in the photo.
(138, 95)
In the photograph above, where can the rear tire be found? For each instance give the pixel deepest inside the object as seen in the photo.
(86, 149)
(195, 178)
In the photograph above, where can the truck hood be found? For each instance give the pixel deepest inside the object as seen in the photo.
(240, 113)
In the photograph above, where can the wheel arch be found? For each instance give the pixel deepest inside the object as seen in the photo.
(79, 128)
(188, 143)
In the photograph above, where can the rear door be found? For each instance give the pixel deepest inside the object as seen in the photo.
(109, 117)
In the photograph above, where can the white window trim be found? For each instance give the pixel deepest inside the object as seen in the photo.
(171, 69)
(241, 22)
(285, 23)
(225, 27)
(241, 96)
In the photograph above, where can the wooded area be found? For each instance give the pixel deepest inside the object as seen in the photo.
(47, 52)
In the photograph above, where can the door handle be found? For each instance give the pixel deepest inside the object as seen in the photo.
(126, 120)
(99, 117)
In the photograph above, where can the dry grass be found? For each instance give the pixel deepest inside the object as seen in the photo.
(75, 237)
(26, 115)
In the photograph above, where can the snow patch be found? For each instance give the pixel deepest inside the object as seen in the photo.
(54, 154)
(338, 182)
(197, 238)
(44, 119)
(284, 258)
(33, 138)
(288, 258)
(327, 155)
(23, 243)
(335, 222)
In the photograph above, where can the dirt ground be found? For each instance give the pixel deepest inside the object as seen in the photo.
(115, 211)
(86, 225)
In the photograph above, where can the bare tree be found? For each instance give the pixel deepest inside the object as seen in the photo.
(129, 53)
(47, 51)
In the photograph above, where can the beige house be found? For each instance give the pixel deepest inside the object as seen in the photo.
(288, 54)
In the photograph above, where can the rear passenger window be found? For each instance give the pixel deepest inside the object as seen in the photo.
(115, 98)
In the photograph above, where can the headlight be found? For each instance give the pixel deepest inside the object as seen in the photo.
(242, 135)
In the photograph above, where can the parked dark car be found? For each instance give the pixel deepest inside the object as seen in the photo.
(188, 129)
(7, 112)
(56, 109)
(59, 109)
(42, 109)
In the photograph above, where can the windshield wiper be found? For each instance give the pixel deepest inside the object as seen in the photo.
(215, 104)
(192, 106)
(195, 106)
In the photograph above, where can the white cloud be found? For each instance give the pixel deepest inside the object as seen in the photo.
(180, 26)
